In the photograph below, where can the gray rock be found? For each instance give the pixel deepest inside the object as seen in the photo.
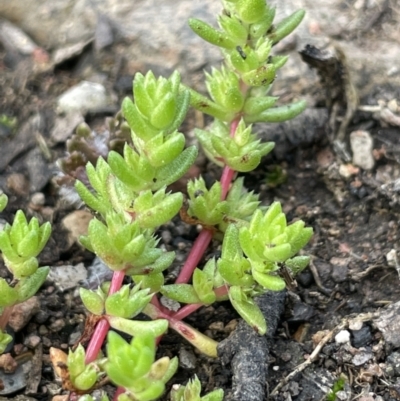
(67, 277)
(388, 323)
(362, 337)
(187, 359)
(361, 358)
(393, 364)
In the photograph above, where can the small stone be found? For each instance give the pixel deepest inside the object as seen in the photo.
(187, 359)
(74, 337)
(342, 337)
(57, 325)
(388, 323)
(217, 326)
(8, 363)
(41, 316)
(286, 357)
(347, 170)
(391, 258)
(64, 126)
(84, 97)
(18, 184)
(53, 388)
(362, 358)
(23, 312)
(38, 199)
(301, 313)
(76, 223)
(32, 341)
(46, 341)
(361, 143)
(362, 337)
(231, 326)
(393, 363)
(43, 330)
(68, 277)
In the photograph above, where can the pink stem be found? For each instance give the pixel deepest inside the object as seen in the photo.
(102, 327)
(226, 179)
(198, 249)
(120, 390)
(186, 311)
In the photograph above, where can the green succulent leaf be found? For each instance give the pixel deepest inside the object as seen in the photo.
(278, 114)
(184, 293)
(210, 34)
(251, 11)
(260, 28)
(269, 282)
(247, 309)
(286, 26)
(9, 295)
(176, 169)
(3, 201)
(127, 303)
(297, 264)
(5, 339)
(256, 105)
(203, 286)
(29, 286)
(92, 300)
(138, 328)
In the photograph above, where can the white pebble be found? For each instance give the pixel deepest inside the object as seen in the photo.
(342, 337)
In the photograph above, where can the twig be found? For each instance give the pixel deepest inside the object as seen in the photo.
(359, 276)
(317, 279)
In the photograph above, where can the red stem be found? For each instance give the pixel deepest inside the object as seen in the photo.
(201, 243)
(198, 249)
(102, 327)
(186, 311)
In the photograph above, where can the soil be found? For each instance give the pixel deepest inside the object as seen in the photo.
(350, 289)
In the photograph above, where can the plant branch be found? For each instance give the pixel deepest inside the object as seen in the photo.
(101, 330)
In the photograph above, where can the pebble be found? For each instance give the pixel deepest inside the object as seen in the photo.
(74, 337)
(18, 184)
(393, 364)
(388, 323)
(64, 126)
(362, 337)
(342, 337)
(217, 326)
(362, 358)
(84, 97)
(187, 359)
(32, 341)
(57, 325)
(361, 143)
(76, 223)
(68, 277)
(23, 312)
(301, 313)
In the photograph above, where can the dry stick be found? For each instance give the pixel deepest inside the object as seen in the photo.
(345, 322)
(317, 279)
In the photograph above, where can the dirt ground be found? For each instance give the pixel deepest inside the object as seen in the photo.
(339, 334)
